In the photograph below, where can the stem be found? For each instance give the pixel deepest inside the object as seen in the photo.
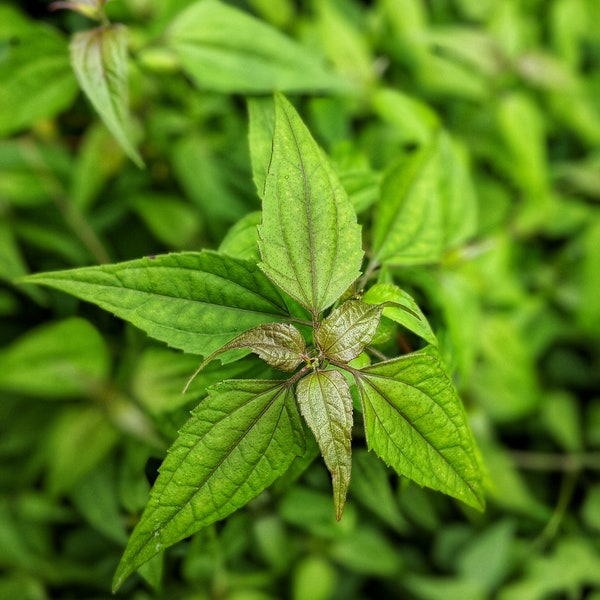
(371, 268)
(549, 461)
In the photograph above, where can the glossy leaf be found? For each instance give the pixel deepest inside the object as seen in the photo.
(401, 308)
(310, 242)
(326, 405)
(415, 422)
(194, 301)
(343, 335)
(227, 50)
(99, 59)
(242, 437)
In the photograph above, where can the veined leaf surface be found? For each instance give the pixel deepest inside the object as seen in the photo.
(326, 405)
(194, 301)
(416, 423)
(243, 436)
(99, 59)
(310, 242)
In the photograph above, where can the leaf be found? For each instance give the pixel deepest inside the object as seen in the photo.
(326, 405)
(261, 128)
(280, 345)
(343, 335)
(224, 49)
(99, 59)
(415, 422)
(406, 312)
(242, 437)
(309, 240)
(60, 360)
(194, 301)
(408, 225)
(36, 81)
(241, 241)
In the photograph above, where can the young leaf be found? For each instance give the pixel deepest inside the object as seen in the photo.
(326, 405)
(310, 242)
(401, 308)
(99, 59)
(408, 226)
(415, 422)
(243, 436)
(343, 335)
(226, 50)
(194, 301)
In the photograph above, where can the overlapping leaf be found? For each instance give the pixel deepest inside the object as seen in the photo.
(310, 242)
(415, 422)
(243, 436)
(194, 301)
(326, 405)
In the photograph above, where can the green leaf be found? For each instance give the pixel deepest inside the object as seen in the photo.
(415, 422)
(36, 81)
(261, 129)
(194, 301)
(242, 437)
(280, 345)
(57, 360)
(241, 241)
(404, 310)
(310, 243)
(227, 50)
(408, 220)
(99, 59)
(343, 335)
(326, 405)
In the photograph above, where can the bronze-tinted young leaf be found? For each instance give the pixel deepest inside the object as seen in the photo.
(326, 405)
(243, 436)
(310, 242)
(416, 423)
(280, 345)
(343, 335)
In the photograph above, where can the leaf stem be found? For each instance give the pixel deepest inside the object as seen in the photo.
(550, 461)
(371, 268)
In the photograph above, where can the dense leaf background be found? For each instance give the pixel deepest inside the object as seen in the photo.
(467, 136)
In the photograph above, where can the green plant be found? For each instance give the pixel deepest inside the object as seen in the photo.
(248, 432)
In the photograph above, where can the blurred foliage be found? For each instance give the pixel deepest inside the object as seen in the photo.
(89, 404)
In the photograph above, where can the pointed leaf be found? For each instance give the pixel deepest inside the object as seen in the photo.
(408, 227)
(415, 422)
(243, 436)
(401, 308)
(326, 405)
(99, 59)
(227, 50)
(310, 242)
(343, 335)
(194, 301)
(279, 344)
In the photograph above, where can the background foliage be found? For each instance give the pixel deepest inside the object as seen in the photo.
(496, 101)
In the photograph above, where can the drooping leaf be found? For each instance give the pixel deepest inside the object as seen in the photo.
(415, 422)
(99, 59)
(194, 301)
(326, 405)
(408, 225)
(242, 437)
(343, 335)
(401, 308)
(226, 50)
(310, 242)
(280, 345)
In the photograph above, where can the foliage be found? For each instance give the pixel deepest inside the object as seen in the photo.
(455, 142)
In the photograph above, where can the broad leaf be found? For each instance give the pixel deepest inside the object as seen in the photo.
(343, 335)
(408, 221)
(401, 308)
(326, 405)
(310, 242)
(261, 128)
(227, 50)
(280, 345)
(242, 437)
(99, 59)
(415, 422)
(194, 301)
